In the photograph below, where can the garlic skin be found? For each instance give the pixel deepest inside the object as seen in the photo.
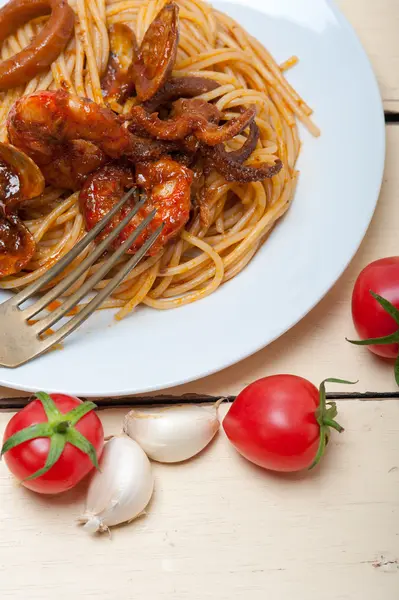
(170, 434)
(123, 487)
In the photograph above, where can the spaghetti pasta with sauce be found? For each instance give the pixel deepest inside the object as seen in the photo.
(230, 219)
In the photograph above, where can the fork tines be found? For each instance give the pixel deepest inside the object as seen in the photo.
(71, 301)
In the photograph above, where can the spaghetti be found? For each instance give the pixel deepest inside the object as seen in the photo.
(235, 218)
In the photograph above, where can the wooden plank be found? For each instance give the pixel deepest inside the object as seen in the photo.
(377, 25)
(219, 527)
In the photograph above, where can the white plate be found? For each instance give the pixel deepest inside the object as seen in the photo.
(340, 179)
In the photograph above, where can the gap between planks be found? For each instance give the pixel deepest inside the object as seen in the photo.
(391, 117)
(104, 403)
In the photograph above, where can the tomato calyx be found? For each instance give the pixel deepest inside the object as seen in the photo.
(393, 338)
(325, 416)
(60, 428)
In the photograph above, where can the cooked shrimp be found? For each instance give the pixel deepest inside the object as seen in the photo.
(167, 185)
(70, 168)
(41, 122)
(46, 125)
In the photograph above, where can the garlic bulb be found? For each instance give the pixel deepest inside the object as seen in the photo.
(123, 487)
(173, 433)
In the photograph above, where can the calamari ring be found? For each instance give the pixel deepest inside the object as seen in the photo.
(44, 48)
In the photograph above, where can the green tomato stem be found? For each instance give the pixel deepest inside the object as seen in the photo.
(333, 425)
(60, 428)
(393, 338)
(325, 414)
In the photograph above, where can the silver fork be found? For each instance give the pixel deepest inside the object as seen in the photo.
(21, 341)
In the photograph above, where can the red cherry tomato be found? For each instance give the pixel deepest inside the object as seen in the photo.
(281, 422)
(371, 320)
(79, 440)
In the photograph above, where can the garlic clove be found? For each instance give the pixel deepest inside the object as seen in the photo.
(171, 434)
(123, 487)
(93, 525)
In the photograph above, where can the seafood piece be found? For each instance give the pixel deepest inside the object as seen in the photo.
(20, 178)
(46, 125)
(248, 146)
(41, 123)
(192, 116)
(117, 84)
(147, 68)
(179, 87)
(167, 185)
(157, 54)
(70, 169)
(44, 48)
(212, 135)
(17, 245)
(233, 170)
(101, 191)
(187, 116)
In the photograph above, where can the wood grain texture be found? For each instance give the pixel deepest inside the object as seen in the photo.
(219, 528)
(377, 26)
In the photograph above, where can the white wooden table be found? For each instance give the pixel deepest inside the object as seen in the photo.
(219, 528)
